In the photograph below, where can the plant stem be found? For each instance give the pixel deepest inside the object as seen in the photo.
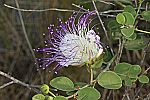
(91, 76)
(138, 9)
(142, 31)
(109, 63)
(71, 96)
(119, 54)
(91, 73)
(52, 94)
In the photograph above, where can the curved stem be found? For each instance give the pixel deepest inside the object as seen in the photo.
(142, 31)
(52, 94)
(138, 9)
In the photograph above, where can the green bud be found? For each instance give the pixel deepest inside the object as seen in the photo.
(45, 89)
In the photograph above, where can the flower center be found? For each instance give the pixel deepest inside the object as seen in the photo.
(79, 49)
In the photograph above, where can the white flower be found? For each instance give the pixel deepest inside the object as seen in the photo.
(71, 44)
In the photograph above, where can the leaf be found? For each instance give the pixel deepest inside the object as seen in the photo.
(137, 44)
(97, 64)
(135, 70)
(44, 88)
(127, 32)
(113, 26)
(60, 98)
(132, 37)
(38, 97)
(120, 18)
(116, 35)
(130, 9)
(109, 80)
(49, 98)
(146, 15)
(62, 83)
(122, 68)
(88, 93)
(108, 55)
(128, 81)
(129, 18)
(143, 79)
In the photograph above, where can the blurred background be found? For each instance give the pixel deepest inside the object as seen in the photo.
(16, 58)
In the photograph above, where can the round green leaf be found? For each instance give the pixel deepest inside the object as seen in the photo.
(143, 79)
(116, 35)
(88, 93)
(120, 18)
(130, 9)
(127, 32)
(97, 63)
(44, 88)
(49, 98)
(113, 26)
(109, 80)
(128, 81)
(38, 97)
(62, 83)
(146, 15)
(129, 18)
(132, 37)
(107, 55)
(135, 70)
(122, 68)
(60, 98)
(137, 44)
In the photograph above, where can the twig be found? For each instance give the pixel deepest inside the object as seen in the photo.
(26, 37)
(144, 52)
(108, 97)
(138, 91)
(119, 54)
(78, 6)
(112, 11)
(109, 63)
(145, 72)
(38, 10)
(6, 84)
(102, 1)
(126, 93)
(106, 34)
(101, 21)
(108, 3)
(147, 97)
(15, 80)
(104, 94)
(63, 10)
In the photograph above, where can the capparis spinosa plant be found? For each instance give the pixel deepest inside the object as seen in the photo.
(76, 43)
